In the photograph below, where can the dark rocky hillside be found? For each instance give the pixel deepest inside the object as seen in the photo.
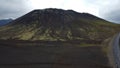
(58, 25)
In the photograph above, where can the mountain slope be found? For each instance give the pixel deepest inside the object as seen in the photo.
(5, 21)
(57, 24)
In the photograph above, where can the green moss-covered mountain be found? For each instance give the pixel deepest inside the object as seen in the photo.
(57, 24)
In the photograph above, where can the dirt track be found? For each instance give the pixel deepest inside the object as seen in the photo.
(52, 56)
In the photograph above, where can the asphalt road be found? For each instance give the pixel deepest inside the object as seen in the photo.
(116, 51)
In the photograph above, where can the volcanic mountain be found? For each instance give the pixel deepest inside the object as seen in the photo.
(58, 25)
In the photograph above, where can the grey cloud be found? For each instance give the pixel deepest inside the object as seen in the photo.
(111, 12)
(113, 16)
(12, 8)
(17, 8)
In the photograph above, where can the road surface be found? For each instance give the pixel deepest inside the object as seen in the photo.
(116, 51)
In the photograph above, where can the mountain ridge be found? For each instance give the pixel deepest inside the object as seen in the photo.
(4, 21)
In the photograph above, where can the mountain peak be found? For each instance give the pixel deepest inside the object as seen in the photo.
(49, 15)
(55, 10)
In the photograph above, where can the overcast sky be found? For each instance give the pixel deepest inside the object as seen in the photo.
(106, 9)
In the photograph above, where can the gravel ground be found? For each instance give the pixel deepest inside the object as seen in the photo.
(52, 56)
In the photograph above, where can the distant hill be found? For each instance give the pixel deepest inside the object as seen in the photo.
(58, 25)
(5, 21)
